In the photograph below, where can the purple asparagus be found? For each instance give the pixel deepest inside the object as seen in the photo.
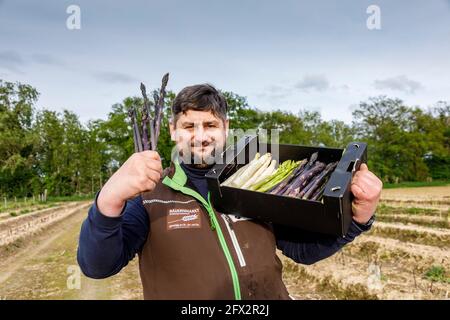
(303, 179)
(307, 174)
(136, 133)
(144, 119)
(159, 107)
(319, 193)
(317, 182)
(147, 122)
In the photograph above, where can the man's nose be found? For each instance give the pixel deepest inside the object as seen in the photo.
(200, 135)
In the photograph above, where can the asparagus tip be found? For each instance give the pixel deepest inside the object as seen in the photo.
(165, 79)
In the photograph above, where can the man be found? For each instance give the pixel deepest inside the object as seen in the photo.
(188, 250)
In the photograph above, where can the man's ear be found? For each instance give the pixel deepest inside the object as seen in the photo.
(172, 129)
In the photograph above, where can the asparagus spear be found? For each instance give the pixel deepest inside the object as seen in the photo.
(288, 179)
(159, 107)
(267, 168)
(301, 170)
(303, 179)
(147, 122)
(136, 133)
(316, 183)
(152, 121)
(319, 193)
(294, 175)
(312, 160)
(144, 119)
(239, 171)
(281, 173)
(298, 179)
(308, 185)
(130, 115)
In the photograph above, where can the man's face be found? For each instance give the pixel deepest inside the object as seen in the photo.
(199, 136)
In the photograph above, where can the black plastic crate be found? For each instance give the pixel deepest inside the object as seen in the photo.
(332, 215)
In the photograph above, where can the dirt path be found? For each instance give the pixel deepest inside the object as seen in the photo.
(44, 267)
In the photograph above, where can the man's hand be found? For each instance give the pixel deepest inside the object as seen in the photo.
(139, 173)
(366, 187)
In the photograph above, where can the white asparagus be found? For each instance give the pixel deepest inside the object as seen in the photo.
(239, 172)
(268, 172)
(250, 171)
(235, 175)
(255, 176)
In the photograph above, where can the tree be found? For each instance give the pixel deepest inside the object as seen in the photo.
(16, 137)
(400, 138)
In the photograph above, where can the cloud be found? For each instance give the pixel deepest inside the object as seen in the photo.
(398, 83)
(278, 90)
(275, 93)
(43, 58)
(115, 77)
(279, 93)
(11, 60)
(313, 82)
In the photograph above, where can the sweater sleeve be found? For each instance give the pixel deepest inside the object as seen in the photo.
(107, 244)
(308, 247)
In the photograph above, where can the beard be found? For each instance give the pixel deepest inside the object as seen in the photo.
(204, 158)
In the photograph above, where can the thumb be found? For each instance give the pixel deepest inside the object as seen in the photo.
(363, 167)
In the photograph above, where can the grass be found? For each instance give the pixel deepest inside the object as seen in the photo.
(33, 208)
(51, 201)
(71, 198)
(437, 274)
(414, 236)
(415, 184)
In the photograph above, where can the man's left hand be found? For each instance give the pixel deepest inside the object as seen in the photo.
(366, 187)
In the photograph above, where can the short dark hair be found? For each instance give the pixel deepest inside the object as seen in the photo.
(201, 97)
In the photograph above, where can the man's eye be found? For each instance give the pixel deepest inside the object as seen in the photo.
(212, 126)
(188, 127)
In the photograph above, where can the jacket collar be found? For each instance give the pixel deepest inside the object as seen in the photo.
(176, 173)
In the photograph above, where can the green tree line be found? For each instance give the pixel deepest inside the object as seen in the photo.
(42, 149)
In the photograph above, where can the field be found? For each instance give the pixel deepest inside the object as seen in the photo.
(405, 256)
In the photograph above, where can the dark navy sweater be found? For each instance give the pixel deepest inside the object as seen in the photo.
(106, 244)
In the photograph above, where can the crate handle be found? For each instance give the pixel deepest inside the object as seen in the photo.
(354, 166)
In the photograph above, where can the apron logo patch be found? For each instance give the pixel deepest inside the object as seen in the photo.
(183, 219)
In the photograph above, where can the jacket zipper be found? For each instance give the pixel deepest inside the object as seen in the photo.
(226, 251)
(214, 226)
(234, 240)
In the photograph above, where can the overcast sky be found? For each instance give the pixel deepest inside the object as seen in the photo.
(291, 55)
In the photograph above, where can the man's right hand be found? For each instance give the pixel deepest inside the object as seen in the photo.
(139, 173)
